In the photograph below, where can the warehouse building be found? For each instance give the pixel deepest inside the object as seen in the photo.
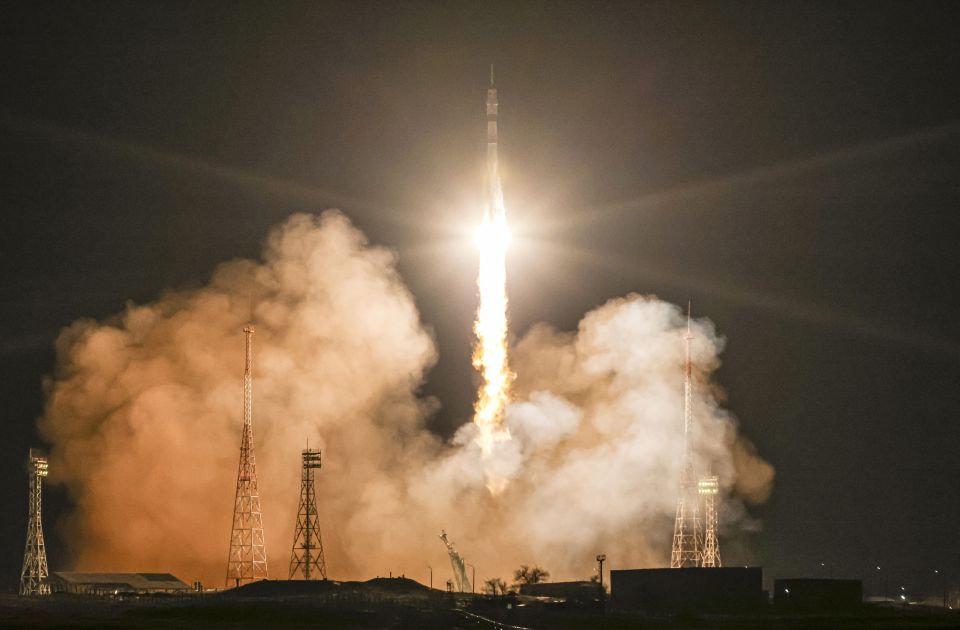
(115, 583)
(695, 589)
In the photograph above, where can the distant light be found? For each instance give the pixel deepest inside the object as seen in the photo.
(787, 591)
(903, 597)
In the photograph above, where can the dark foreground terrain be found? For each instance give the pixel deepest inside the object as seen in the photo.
(403, 604)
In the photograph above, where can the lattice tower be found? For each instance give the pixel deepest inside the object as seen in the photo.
(709, 490)
(33, 576)
(307, 555)
(686, 550)
(247, 561)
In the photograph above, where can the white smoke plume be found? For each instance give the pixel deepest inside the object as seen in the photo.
(144, 415)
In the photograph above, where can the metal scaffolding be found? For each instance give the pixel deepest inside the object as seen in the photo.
(307, 555)
(460, 582)
(247, 561)
(33, 576)
(709, 490)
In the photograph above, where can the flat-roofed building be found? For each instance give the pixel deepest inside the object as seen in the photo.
(568, 591)
(694, 589)
(110, 583)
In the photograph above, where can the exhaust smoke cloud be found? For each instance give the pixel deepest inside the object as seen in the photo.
(144, 416)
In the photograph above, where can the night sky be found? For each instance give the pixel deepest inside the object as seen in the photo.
(791, 168)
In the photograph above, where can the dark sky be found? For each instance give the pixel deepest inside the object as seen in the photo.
(792, 168)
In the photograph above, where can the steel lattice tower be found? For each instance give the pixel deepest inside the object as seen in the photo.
(686, 550)
(248, 558)
(33, 576)
(307, 555)
(709, 489)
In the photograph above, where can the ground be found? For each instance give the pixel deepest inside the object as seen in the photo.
(369, 610)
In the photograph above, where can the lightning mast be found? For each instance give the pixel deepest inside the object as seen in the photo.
(709, 489)
(247, 561)
(307, 554)
(686, 550)
(460, 580)
(33, 576)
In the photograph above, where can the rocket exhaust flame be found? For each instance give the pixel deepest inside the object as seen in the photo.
(490, 355)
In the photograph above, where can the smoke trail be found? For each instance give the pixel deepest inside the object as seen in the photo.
(144, 417)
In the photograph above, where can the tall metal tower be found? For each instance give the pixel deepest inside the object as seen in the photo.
(709, 489)
(307, 555)
(33, 576)
(461, 582)
(686, 550)
(248, 559)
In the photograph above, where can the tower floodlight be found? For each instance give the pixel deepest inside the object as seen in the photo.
(247, 561)
(686, 550)
(33, 575)
(307, 555)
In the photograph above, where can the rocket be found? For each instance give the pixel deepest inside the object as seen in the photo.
(491, 119)
(494, 200)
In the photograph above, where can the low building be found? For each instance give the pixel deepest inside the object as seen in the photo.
(113, 583)
(817, 594)
(700, 589)
(581, 592)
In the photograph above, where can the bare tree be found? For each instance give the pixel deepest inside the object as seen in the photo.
(495, 586)
(529, 575)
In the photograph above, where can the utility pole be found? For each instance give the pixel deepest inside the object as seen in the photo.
(603, 594)
(473, 578)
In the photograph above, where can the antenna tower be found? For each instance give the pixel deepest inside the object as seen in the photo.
(33, 576)
(709, 489)
(307, 555)
(247, 561)
(686, 550)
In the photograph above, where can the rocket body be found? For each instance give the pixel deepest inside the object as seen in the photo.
(494, 194)
(492, 119)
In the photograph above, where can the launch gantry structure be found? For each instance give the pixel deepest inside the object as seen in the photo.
(687, 550)
(307, 555)
(461, 582)
(247, 561)
(33, 576)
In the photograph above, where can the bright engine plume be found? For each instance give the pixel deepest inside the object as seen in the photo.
(490, 352)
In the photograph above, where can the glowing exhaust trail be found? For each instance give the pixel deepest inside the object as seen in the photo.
(490, 351)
